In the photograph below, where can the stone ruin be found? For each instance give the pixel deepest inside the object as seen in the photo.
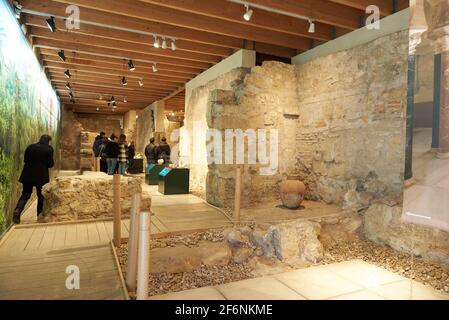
(89, 197)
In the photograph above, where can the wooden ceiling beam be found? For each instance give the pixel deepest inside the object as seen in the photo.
(107, 87)
(144, 11)
(88, 58)
(139, 68)
(139, 25)
(318, 10)
(117, 53)
(131, 37)
(148, 48)
(385, 6)
(104, 90)
(151, 85)
(234, 13)
(118, 75)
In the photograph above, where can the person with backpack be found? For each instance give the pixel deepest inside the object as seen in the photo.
(163, 151)
(97, 143)
(103, 156)
(38, 159)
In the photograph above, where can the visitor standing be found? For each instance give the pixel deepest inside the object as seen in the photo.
(163, 151)
(97, 143)
(112, 153)
(38, 159)
(123, 155)
(103, 156)
(150, 152)
(131, 154)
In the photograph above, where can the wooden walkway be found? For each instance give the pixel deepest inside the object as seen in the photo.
(34, 257)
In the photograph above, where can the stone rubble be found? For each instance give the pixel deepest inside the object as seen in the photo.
(89, 196)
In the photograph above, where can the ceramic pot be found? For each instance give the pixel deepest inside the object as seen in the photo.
(292, 192)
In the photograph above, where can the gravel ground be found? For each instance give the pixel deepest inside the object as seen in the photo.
(415, 268)
(425, 272)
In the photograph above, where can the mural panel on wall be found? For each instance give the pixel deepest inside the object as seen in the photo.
(28, 108)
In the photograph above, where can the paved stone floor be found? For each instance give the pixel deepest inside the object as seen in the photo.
(350, 280)
(426, 202)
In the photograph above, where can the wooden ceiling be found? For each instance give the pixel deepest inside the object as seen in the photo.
(112, 32)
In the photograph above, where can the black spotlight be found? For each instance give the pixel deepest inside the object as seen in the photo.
(131, 65)
(62, 55)
(68, 86)
(51, 24)
(113, 99)
(124, 82)
(71, 95)
(67, 73)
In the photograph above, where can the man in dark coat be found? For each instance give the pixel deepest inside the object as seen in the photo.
(150, 152)
(38, 159)
(97, 144)
(163, 151)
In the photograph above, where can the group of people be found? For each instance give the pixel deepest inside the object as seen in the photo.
(154, 152)
(116, 155)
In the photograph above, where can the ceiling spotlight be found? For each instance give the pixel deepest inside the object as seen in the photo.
(67, 73)
(62, 55)
(98, 109)
(68, 86)
(164, 43)
(101, 97)
(141, 82)
(51, 24)
(124, 82)
(125, 100)
(154, 68)
(311, 26)
(248, 14)
(112, 99)
(156, 42)
(131, 65)
(114, 105)
(173, 44)
(172, 114)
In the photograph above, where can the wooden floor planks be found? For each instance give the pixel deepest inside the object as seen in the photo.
(34, 258)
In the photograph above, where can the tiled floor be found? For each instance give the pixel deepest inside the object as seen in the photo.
(350, 280)
(426, 201)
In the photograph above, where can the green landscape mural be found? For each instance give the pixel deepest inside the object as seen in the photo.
(28, 108)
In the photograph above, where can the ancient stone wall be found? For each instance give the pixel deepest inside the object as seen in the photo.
(70, 140)
(193, 137)
(98, 123)
(144, 129)
(340, 122)
(350, 138)
(72, 126)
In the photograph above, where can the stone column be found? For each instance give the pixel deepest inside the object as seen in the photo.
(437, 16)
(436, 103)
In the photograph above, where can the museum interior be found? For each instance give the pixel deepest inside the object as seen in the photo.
(224, 149)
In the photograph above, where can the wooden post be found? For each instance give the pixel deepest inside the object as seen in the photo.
(238, 194)
(94, 163)
(143, 260)
(117, 210)
(97, 159)
(133, 241)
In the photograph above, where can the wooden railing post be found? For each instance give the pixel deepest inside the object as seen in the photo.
(133, 242)
(143, 260)
(98, 163)
(117, 210)
(238, 194)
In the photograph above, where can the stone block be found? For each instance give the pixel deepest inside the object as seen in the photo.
(89, 196)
